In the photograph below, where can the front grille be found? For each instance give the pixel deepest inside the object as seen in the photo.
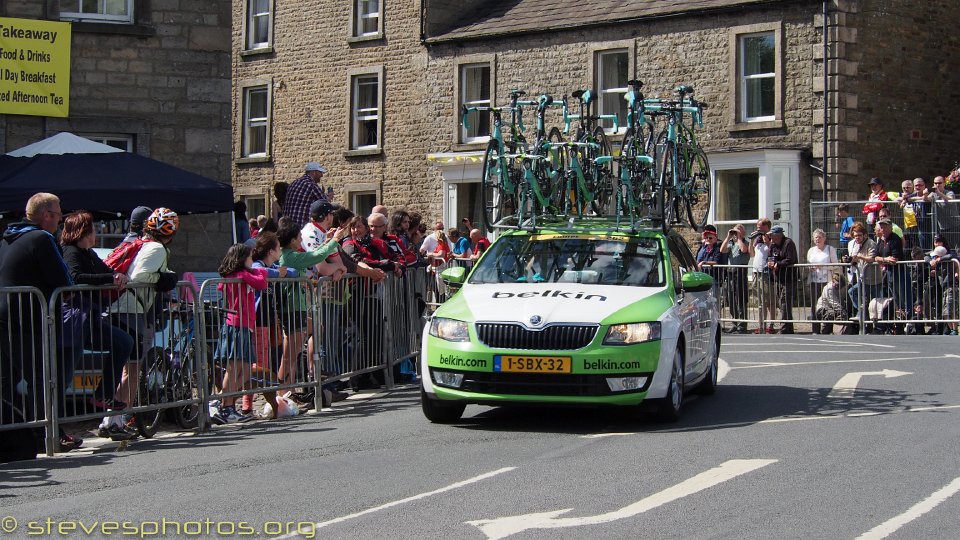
(539, 384)
(558, 337)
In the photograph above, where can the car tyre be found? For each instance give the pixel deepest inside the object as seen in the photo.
(671, 406)
(708, 386)
(439, 412)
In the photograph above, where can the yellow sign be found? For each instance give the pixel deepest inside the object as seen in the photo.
(34, 67)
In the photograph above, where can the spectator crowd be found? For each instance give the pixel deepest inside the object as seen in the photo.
(267, 327)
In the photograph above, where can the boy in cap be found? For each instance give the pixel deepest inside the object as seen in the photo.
(138, 217)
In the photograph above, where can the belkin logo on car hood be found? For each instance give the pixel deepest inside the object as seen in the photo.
(570, 295)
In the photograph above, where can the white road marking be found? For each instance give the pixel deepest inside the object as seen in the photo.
(391, 504)
(784, 419)
(847, 385)
(831, 351)
(890, 526)
(723, 369)
(858, 361)
(505, 526)
(845, 343)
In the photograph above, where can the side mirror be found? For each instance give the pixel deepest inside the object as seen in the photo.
(696, 282)
(454, 277)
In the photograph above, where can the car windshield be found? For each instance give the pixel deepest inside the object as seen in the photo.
(604, 259)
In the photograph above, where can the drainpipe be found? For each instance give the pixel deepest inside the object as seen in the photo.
(826, 93)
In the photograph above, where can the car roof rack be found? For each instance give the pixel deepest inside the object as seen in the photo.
(560, 221)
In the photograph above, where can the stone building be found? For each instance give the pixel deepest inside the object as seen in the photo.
(151, 77)
(373, 89)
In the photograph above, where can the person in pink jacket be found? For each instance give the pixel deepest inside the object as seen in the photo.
(235, 349)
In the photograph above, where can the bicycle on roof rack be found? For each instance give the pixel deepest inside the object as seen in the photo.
(683, 169)
(636, 190)
(585, 187)
(501, 176)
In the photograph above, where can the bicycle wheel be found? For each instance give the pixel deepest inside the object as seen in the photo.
(602, 187)
(185, 387)
(697, 189)
(496, 200)
(154, 372)
(665, 187)
(558, 161)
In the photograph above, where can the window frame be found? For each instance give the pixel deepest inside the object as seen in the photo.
(592, 80)
(79, 16)
(249, 47)
(242, 149)
(354, 77)
(460, 133)
(738, 119)
(356, 17)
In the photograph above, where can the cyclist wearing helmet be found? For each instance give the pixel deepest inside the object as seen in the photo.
(148, 273)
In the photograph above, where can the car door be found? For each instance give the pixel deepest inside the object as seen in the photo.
(689, 306)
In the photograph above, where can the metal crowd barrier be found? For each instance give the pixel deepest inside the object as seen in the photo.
(91, 352)
(918, 220)
(24, 342)
(909, 297)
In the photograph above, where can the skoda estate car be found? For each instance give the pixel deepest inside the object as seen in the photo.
(577, 314)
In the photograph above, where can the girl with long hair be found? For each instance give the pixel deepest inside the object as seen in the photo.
(235, 348)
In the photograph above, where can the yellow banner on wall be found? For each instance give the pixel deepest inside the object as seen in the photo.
(34, 67)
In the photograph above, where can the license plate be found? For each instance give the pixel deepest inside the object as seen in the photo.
(85, 381)
(532, 364)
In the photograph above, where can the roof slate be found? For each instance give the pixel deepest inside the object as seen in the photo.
(521, 16)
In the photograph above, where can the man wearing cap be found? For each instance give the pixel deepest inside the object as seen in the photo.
(942, 287)
(889, 251)
(710, 255)
(783, 257)
(877, 194)
(315, 234)
(303, 192)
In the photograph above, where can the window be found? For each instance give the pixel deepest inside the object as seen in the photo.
(738, 195)
(756, 184)
(123, 142)
(366, 18)
(362, 203)
(110, 11)
(256, 121)
(365, 112)
(259, 27)
(475, 92)
(758, 77)
(612, 76)
(256, 205)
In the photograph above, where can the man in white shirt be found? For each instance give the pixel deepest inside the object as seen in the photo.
(317, 232)
(762, 280)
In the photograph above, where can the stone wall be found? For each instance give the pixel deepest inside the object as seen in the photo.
(898, 84)
(165, 80)
(309, 68)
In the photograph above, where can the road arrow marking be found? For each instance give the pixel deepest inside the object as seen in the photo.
(391, 504)
(505, 526)
(847, 384)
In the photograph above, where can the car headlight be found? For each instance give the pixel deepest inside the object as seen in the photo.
(449, 329)
(628, 334)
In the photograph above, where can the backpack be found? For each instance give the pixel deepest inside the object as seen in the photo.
(122, 256)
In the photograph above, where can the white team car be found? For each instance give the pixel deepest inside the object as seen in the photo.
(575, 314)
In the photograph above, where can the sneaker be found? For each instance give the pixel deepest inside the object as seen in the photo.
(117, 433)
(230, 415)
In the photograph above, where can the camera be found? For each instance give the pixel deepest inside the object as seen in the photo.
(754, 234)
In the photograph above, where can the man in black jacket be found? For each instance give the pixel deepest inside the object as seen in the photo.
(29, 257)
(783, 257)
